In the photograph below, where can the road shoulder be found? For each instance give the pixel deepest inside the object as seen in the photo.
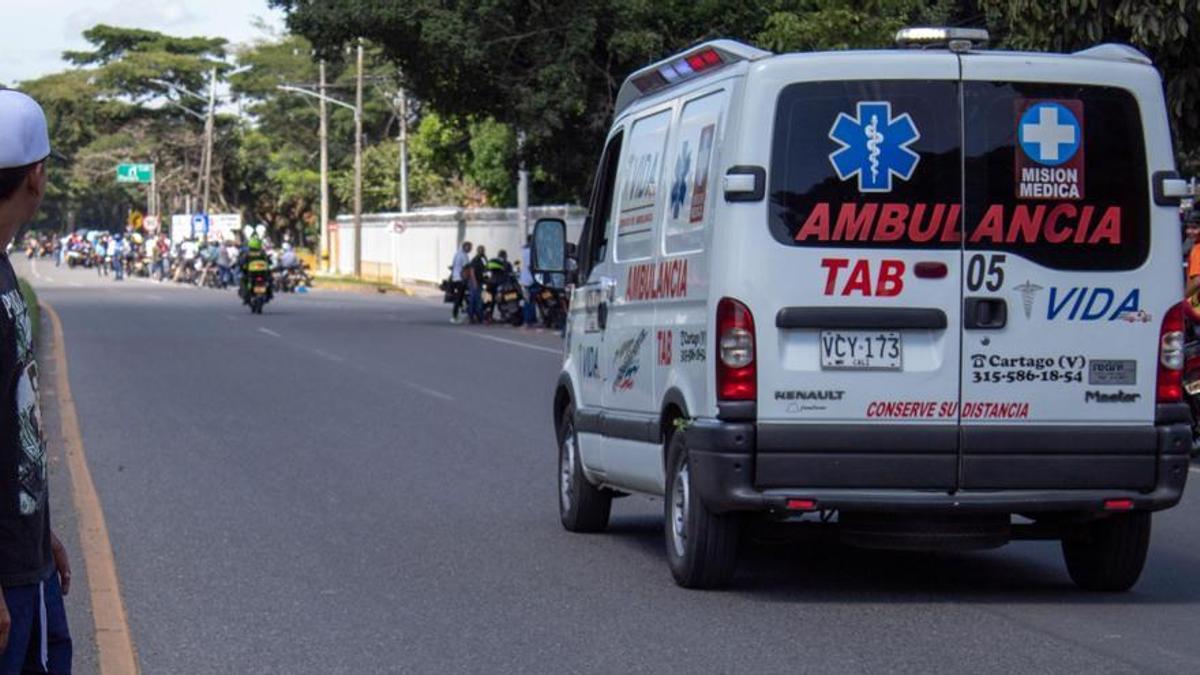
(99, 627)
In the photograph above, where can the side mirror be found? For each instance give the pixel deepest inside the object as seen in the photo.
(549, 250)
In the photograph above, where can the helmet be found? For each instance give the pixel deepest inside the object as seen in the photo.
(255, 244)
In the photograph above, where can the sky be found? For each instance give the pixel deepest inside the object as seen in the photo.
(35, 33)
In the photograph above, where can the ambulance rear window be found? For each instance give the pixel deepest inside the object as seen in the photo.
(869, 164)
(1056, 173)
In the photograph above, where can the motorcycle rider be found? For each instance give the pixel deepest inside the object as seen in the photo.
(498, 269)
(254, 252)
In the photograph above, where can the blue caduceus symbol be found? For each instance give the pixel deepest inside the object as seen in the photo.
(874, 146)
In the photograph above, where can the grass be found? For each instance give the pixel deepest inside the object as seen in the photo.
(350, 282)
(35, 310)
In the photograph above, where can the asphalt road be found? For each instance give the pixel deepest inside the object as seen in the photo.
(351, 484)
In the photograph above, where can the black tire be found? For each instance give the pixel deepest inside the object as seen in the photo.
(582, 506)
(1108, 554)
(701, 545)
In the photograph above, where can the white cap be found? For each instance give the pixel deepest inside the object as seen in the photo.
(23, 135)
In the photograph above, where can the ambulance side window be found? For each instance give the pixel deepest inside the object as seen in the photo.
(689, 209)
(594, 242)
(640, 186)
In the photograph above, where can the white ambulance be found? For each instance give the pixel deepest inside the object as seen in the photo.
(927, 296)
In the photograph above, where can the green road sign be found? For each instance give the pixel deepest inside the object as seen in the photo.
(135, 173)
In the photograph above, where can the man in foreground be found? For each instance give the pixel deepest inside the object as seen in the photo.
(34, 571)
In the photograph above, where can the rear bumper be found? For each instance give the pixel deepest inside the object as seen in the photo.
(724, 471)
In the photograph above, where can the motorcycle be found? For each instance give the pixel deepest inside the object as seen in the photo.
(552, 303)
(506, 297)
(258, 286)
(1191, 387)
(78, 258)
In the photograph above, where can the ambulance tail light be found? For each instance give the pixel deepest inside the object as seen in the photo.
(737, 373)
(1170, 357)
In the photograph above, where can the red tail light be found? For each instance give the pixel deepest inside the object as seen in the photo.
(1170, 357)
(737, 375)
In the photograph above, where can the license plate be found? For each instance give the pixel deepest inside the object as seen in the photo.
(260, 290)
(860, 350)
(509, 297)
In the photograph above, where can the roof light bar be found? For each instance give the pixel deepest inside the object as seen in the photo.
(679, 69)
(957, 39)
(693, 63)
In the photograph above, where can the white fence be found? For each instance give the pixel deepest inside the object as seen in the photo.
(419, 245)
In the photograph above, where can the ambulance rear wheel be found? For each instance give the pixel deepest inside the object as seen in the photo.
(1108, 554)
(582, 507)
(701, 545)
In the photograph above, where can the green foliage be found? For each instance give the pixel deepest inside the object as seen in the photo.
(381, 179)
(1168, 31)
(127, 58)
(549, 69)
(835, 24)
(493, 161)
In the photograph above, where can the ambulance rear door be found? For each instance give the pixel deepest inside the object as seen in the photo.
(1064, 285)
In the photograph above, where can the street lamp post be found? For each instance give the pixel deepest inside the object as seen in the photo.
(324, 245)
(208, 135)
(358, 106)
(209, 121)
(325, 152)
(402, 117)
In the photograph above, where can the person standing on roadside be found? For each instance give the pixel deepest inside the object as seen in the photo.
(475, 278)
(117, 251)
(529, 309)
(35, 573)
(457, 284)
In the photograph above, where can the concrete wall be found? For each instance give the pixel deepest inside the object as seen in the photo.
(419, 245)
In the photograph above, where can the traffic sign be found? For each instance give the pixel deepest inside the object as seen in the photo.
(200, 225)
(135, 173)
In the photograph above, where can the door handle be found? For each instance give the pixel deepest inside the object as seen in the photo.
(608, 286)
(985, 313)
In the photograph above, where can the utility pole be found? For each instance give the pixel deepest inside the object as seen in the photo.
(324, 249)
(208, 135)
(150, 192)
(402, 115)
(358, 115)
(522, 187)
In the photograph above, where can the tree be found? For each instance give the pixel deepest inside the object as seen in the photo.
(550, 69)
(97, 119)
(1168, 31)
(836, 24)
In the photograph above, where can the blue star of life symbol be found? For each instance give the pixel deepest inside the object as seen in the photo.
(679, 188)
(874, 146)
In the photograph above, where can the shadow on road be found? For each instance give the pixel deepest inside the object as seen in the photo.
(816, 568)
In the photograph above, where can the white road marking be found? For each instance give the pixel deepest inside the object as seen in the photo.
(75, 284)
(427, 391)
(33, 267)
(1194, 469)
(556, 352)
(326, 355)
(270, 332)
(231, 317)
(154, 297)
